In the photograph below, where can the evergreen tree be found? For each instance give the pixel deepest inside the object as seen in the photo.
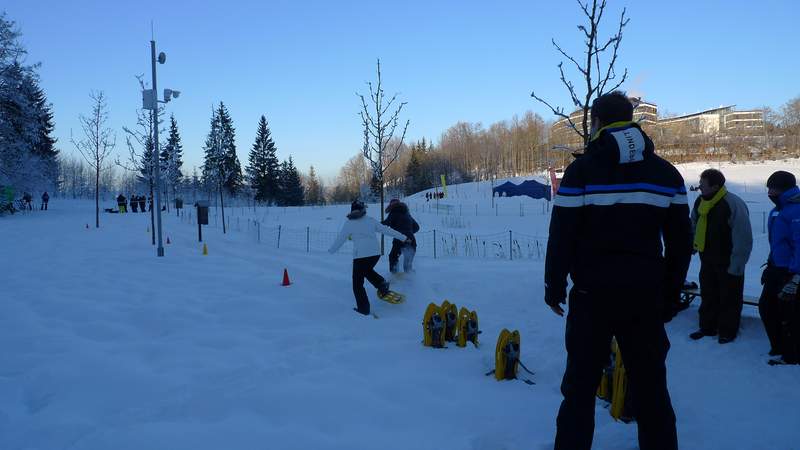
(171, 157)
(281, 195)
(216, 170)
(313, 189)
(262, 170)
(28, 158)
(233, 179)
(295, 195)
(414, 178)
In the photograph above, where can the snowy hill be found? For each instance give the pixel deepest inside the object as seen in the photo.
(107, 347)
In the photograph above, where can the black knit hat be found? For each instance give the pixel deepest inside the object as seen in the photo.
(781, 180)
(357, 205)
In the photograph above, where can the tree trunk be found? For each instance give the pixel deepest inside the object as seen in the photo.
(97, 197)
(382, 236)
(222, 206)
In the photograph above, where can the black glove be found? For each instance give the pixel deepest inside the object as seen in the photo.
(553, 296)
(789, 291)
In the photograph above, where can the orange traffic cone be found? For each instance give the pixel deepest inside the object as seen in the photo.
(205, 250)
(286, 281)
(168, 240)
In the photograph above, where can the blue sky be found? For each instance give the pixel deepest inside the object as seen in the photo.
(300, 63)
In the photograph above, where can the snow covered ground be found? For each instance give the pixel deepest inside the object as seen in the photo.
(105, 346)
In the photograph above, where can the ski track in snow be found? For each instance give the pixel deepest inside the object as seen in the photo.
(106, 346)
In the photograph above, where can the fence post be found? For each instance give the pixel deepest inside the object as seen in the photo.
(510, 246)
(459, 209)
(434, 243)
(258, 231)
(308, 241)
(763, 222)
(279, 236)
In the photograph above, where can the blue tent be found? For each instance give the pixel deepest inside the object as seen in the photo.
(507, 189)
(531, 188)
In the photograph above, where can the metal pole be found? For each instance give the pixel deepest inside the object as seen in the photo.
(308, 234)
(160, 249)
(510, 245)
(434, 243)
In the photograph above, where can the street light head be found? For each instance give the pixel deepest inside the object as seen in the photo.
(162, 58)
(169, 94)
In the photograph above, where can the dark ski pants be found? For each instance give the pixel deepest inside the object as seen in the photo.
(771, 308)
(634, 317)
(365, 268)
(44, 206)
(721, 297)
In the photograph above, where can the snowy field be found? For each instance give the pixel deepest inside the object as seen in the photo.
(106, 346)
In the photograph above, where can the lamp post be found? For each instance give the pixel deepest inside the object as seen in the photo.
(150, 101)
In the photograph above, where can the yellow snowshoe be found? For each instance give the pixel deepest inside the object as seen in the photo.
(614, 387)
(506, 356)
(467, 325)
(449, 315)
(433, 327)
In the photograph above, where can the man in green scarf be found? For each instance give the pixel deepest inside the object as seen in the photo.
(723, 238)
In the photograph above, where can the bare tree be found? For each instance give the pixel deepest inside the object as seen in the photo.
(381, 149)
(596, 77)
(97, 144)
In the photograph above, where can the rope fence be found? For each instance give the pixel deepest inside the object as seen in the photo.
(436, 244)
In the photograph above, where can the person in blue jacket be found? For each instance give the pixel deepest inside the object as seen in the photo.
(779, 305)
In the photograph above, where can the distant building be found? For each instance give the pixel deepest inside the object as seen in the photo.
(717, 131)
(563, 136)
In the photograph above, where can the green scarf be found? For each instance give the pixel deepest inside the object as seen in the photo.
(702, 220)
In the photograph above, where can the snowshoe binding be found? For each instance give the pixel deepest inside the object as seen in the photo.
(449, 314)
(467, 324)
(433, 327)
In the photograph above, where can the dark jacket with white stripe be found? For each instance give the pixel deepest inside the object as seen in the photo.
(615, 206)
(729, 236)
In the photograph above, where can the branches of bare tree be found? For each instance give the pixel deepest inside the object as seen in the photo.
(596, 77)
(380, 121)
(98, 142)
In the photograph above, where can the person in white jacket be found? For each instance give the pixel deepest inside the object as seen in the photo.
(362, 229)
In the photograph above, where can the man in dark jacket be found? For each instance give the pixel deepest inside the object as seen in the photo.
(45, 201)
(614, 206)
(399, 219)
(135, 203)
(121, 202)
(142, 200)
(724, 239)
(779, 305)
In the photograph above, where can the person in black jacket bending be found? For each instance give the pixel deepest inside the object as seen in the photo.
(399, 219)
(614, 206)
